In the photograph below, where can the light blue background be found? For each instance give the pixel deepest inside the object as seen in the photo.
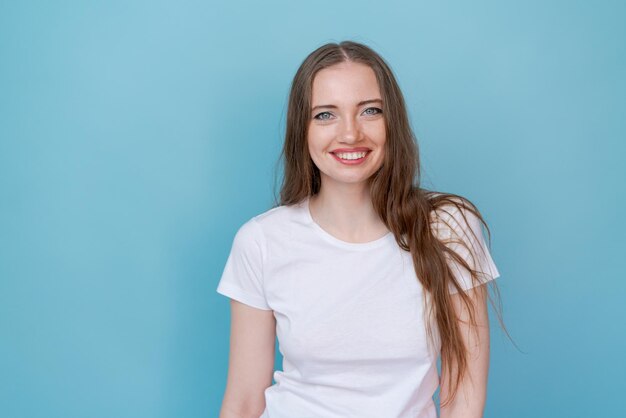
(136, 137)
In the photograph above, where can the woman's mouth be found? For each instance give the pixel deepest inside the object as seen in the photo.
(351, 158)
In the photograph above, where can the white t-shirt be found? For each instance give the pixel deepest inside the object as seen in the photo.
(349, 316)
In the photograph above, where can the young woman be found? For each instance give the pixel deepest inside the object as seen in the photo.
(365, 277)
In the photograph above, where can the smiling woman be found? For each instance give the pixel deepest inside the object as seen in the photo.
(365, 277)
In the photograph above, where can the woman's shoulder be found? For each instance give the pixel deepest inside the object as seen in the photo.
(452, 211)
(272, 219)
(449, 203)
(278, 214)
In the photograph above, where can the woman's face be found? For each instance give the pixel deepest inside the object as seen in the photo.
(346, 135)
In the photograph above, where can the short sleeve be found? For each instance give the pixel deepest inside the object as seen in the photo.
(242, 278)
(450, 227)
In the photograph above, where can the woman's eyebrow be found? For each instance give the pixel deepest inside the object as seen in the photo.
(364, 102)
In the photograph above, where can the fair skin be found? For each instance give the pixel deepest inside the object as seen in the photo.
(347, 114)
(470, 398)
(250, 362)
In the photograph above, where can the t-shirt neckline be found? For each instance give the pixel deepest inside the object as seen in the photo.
(304, 205)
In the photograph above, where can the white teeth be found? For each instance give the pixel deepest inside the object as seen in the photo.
(350, 155)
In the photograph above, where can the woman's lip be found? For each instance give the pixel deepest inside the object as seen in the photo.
(351, 162)
(360, 149)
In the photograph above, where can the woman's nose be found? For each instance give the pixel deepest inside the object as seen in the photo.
(350, 131)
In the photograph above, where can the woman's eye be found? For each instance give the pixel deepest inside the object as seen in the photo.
(372, 111)
(323, 116)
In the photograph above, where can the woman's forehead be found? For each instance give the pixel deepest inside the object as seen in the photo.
(344, 82)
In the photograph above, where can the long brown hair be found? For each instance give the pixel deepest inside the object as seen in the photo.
(407, 210)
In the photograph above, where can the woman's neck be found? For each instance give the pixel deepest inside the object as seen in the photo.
(347, 213)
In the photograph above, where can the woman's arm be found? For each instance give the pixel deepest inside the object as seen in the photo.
(250, 362)
(469, 401)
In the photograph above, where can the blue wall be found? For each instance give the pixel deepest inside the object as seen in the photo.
(136, 137)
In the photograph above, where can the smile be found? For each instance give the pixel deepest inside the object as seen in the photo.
(350, 158)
